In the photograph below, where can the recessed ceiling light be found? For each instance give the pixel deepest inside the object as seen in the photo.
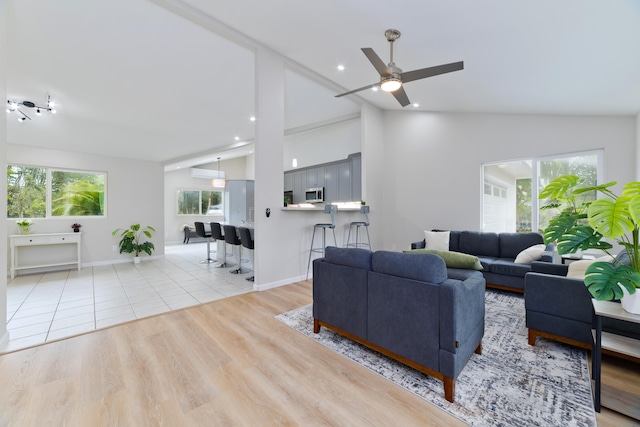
(416, 105)
(237, 138)
(252, 118)
(340, 67)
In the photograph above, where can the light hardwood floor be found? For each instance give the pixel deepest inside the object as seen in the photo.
(228, 362)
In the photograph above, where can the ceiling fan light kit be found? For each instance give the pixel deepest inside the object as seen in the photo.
(15, 106)
(392, 78)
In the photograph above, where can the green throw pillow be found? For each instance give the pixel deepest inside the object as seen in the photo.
(452, 259)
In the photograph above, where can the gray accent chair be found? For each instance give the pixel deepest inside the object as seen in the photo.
(403, 306)
(559, 308)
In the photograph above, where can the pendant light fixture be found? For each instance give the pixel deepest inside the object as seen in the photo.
(219, 181)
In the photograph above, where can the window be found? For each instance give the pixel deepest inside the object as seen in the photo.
(200, 202)
(510, 189)
(37, 192)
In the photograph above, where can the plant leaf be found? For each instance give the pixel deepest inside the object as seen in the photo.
(600, 187)
(631, 189)
(604, 280)
(559, 186)
(581, 238)
(610, 217)
(560, 225)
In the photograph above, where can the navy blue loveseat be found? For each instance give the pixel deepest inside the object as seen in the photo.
(401, 305)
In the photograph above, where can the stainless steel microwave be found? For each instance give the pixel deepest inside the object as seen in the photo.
(314, 195)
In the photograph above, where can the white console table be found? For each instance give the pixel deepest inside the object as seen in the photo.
(17, 240)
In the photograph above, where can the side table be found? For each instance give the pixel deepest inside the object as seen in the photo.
(625, 403)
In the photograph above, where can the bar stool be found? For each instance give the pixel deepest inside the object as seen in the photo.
(248, 243)
(328, 209)
(357, 224)
(216, 233)
(201, 232)
(231, 237)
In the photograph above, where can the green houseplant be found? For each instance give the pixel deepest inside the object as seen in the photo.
(130, 240)
(583, 224)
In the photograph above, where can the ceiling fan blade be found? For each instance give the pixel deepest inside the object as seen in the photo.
(373, 57)
(410, 76)
(358, 90)
(401, 96)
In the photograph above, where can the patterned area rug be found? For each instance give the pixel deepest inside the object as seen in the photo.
(510, 384)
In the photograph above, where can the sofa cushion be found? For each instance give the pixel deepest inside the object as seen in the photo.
(486, 262)
(453, 259)
(578, 269)
(454, 240)
(479, 243)
(511, 244)
(350, 257)
(437, 240)
(462, 274)
(532, 253)
(507, 267)
(423, 267)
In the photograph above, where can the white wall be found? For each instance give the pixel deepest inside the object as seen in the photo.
(435, 161)
(322, 145)
(181, 180)
(4, 336)
(134, 195)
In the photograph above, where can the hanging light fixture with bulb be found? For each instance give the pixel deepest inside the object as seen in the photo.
(219, 181)
(16, 106)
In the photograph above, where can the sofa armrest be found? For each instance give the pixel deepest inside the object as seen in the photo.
(549, 268)
(557, 295)
(419, 245)
(549, 253)
(461, 310)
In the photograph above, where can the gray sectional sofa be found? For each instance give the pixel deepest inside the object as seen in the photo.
(402, 305)
(497, 252)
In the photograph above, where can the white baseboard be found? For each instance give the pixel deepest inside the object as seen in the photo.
(84, 265)
(278, 283)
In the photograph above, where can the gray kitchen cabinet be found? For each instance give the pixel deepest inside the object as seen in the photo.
(299, 185)
(315, 177)
(344, 181)
(288, 181)
(331, 183)
(239, 201)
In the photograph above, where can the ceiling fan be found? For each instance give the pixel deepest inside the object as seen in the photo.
(392, 78)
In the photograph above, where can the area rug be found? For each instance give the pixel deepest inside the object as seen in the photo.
(510, 384)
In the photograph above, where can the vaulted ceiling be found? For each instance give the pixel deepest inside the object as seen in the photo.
(170, 80)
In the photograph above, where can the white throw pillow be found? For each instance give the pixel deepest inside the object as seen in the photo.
(532, 253)
(577, 269)
(437, 240)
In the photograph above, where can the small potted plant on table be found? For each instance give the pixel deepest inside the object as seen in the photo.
(25, 225)
(76, 227)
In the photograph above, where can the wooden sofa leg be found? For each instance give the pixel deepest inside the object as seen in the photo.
(478, 349)
(532, 336)
(449, 388)
(316, 326)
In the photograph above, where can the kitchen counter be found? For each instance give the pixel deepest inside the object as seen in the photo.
(319, 207)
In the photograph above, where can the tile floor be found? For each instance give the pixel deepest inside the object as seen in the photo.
(49, 306)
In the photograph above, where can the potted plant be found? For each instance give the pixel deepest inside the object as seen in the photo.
(584, 224)
(25, 225)
(76, 227)
(130, 240)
